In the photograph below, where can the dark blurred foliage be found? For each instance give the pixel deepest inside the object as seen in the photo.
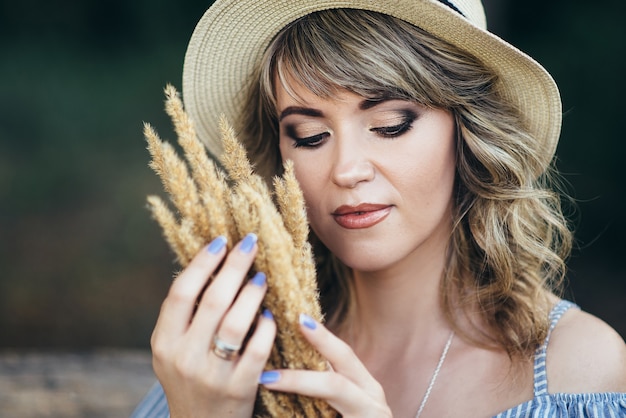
(583, 45)
(82, 264)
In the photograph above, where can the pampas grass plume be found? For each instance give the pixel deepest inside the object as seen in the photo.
(210, 202)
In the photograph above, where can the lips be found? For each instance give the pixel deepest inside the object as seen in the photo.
(361, 216)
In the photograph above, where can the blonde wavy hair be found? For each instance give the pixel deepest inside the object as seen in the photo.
(510, 240)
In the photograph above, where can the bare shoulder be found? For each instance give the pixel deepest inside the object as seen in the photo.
(585, 355)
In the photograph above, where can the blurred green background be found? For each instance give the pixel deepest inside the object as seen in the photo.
(82, 265)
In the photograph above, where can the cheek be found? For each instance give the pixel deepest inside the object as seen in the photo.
(427, 178)
(311, 184)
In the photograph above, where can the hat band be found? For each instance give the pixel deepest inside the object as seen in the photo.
(452, 6)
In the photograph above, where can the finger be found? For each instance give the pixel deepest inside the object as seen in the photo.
(339, 354)
(239, 377)
(178, 307)
(257, 351)
(239, 318)
(220, 295)
(340, 393)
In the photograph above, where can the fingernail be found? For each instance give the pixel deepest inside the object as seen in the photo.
(217, 244)
(267, 314)
(307, 321)
(272, 376)
(258, 279)
(248, 243)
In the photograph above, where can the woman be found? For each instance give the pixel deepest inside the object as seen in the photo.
(423, 146)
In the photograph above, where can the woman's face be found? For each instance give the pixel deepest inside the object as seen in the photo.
(377, 177)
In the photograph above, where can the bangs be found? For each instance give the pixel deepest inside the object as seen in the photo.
(355, 50)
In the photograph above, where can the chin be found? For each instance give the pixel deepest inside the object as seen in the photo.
(365, 261)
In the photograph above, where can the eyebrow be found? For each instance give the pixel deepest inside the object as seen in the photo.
(296, 110)
(307, 111)
(370, 103)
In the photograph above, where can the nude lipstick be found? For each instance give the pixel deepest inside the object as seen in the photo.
(364, 215)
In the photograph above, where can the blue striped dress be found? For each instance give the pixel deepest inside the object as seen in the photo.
(543, 404)
(564, 405)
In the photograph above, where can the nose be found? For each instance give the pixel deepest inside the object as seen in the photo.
(352, 164)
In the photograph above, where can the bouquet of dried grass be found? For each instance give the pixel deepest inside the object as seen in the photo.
(211, 202)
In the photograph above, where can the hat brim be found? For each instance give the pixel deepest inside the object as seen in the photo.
(232, 35)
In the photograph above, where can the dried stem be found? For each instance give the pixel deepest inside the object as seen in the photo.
(208, 206)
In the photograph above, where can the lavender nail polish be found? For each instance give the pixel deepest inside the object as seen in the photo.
(248, 243)
(258, 279)
(267, 314)
(271, 376)
(217, 244)
(307, 321)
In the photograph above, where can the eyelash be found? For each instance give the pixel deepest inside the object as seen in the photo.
(385, 131)
(310, 141)
(396, 130)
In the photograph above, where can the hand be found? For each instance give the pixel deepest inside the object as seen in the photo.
(196, 381)
(348, 387)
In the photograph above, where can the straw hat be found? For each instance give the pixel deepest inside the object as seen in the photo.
(231, 37)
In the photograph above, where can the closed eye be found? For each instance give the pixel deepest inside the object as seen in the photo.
(312, 141)
(395, 131)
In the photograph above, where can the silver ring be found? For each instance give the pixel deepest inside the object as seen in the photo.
(225, 350)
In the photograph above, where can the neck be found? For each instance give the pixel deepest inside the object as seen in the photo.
(401, 305)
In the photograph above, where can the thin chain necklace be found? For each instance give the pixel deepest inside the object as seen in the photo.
(435, 374)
